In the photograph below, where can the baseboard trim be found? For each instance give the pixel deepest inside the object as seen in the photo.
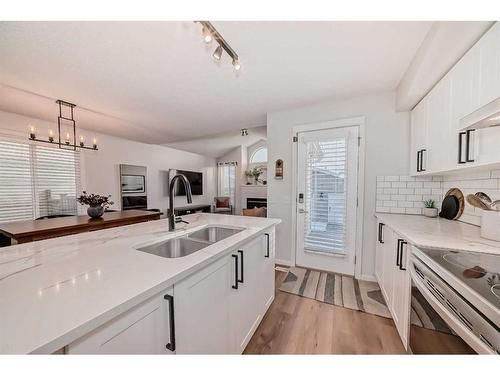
(283, 262)
(367, 278)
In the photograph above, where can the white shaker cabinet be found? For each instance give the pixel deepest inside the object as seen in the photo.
(202, 308)
(215, 310)
(392, 256)
(418, 138)
(438, 126)
(144, 329)
(437, 142)
(489, 56)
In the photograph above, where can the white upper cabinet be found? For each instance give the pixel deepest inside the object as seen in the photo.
(437, 155)
(418, 137)
(489, 55)
(437, 142)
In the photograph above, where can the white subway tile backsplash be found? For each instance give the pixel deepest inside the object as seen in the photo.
(383, 184)
(422, 191)
(397, 210)
(405, 194)
(391, 178)
(415, 184)
(390, 191)
(406, 191)
(398, 184)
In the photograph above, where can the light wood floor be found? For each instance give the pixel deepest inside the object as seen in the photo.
(298, 325)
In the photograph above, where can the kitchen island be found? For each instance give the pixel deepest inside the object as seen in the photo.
(71, 293)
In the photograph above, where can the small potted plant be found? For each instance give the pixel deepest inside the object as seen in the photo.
(97, 203)
(430, 209)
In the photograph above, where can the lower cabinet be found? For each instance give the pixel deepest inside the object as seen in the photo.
(214, 311)
(144, 329)
(391, 270)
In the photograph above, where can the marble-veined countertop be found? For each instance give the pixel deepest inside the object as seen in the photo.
(55, 291)
(439, 233)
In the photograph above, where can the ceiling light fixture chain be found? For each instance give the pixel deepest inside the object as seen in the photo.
(209, 33)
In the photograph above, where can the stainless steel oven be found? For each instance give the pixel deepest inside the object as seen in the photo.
(455, 302)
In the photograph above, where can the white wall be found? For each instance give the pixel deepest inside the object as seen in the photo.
(100, 169)
(387, 142)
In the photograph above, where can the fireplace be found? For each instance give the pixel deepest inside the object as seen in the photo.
(256, 202)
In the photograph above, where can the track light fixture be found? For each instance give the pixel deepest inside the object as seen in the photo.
(217, 53)
(209, 33)
(207, 36)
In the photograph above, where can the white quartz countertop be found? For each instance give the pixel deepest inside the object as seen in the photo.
(55, 291)
(439, 233)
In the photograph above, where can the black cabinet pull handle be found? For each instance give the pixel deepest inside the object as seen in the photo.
(418, 161)
(467, 146)
(267, 249)
(460, 146)
(171, 345)
(235, 286)
(241, 280)
(397, 252)
(422, 169)
(380, 232)
(401, 256)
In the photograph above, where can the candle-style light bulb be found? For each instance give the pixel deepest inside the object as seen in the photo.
(95, 143)
(32, 132)
(51, 135)
(67, 138)
(82, 141)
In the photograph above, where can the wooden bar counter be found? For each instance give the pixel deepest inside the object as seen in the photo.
(36, 230)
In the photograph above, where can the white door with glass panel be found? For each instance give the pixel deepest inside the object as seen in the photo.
(327, 195)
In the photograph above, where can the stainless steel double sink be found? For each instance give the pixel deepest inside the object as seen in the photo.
(182, 246)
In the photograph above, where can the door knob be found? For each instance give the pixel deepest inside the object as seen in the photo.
(302, 211)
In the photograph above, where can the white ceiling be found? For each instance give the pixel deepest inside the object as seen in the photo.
(221, 144)
(156, 82)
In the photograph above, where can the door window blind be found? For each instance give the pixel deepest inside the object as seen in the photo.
(325, 200)
(37, 181)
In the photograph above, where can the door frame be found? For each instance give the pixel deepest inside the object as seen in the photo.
(331, 124)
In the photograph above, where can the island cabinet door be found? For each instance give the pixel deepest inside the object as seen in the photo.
(247, 302)
(201, 306)
(144, 329)
(267, 270)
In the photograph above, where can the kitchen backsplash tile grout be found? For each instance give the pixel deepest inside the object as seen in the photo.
(405, 194)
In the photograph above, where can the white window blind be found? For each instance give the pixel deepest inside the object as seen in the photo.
(325, 200)
(37, 181)
(226, 175)
(16, 193)
(56, 180)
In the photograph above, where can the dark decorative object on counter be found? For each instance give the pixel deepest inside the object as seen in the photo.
(96, 202)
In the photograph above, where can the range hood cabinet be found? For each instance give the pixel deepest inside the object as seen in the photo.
(485, 117)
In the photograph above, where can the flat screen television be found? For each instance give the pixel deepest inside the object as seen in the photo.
(195, 179)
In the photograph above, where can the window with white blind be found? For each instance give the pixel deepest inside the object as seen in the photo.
(37, 181)
(325, 202)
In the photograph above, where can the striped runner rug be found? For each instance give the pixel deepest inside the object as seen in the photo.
(336, 289)
(366, 296)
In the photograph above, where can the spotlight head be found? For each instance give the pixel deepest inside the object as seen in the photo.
(207, 35)
(217, 53)
(236, 64)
